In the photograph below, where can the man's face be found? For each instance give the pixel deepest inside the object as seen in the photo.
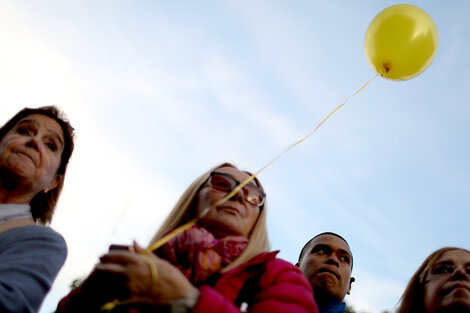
(327, 265)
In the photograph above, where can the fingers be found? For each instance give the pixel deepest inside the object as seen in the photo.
(143, 275)
(138, 248)
(130, 264)
(111, 268)
(123, 256)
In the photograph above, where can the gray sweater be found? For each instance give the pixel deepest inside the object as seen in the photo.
(30, 258)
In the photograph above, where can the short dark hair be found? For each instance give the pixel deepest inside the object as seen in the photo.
(304, 249)
(43, 204)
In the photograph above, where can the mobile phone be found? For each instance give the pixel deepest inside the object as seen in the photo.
(121, 247)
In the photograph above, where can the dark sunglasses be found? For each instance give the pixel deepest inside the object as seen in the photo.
(225, 182)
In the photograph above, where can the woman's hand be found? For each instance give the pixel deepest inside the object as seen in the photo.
(135, 268)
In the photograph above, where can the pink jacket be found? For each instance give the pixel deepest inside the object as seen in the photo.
(265, 284)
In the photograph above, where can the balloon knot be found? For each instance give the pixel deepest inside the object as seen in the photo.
(385, 69)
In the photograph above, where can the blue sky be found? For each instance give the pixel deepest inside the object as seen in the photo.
(160, 91)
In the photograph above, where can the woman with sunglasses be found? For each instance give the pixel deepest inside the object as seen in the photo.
(220, 264)
(440, 285)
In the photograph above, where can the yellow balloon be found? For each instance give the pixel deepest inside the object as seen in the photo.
(401, 42)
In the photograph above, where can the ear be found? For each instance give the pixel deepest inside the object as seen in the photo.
(55, 182)
(350, 284)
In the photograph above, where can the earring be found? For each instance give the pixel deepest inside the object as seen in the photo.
(45, 191)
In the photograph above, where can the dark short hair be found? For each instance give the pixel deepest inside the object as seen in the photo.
(43, 204)
(304, 249)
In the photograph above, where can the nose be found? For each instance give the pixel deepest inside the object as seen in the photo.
(333, 260)
(239, 196)
(32, 143)
(460, 273)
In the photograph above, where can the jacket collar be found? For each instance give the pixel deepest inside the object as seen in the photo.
(334, 307)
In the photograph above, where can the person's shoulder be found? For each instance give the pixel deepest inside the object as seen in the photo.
(276, 268)
(286, 284)
(35, 238)
(35, 231)
(281, 264)
(270, 259)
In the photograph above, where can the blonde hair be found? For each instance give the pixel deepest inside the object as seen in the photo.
(184, 211)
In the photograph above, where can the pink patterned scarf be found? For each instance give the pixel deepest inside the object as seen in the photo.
(198, 254)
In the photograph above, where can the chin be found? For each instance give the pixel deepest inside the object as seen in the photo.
(220, 230)
(456, 307)
(221, 226)
(20, 170)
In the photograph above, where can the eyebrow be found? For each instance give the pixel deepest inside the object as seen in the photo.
(448, 262)
(28, 121)
(320, 245)
(346, 253)
(54, 133)
(239, 182)
(323, 245)
(253, 181)
(57, 137)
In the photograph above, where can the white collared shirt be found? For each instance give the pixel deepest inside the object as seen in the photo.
(11, 211)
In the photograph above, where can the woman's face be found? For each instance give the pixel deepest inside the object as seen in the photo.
(447, 286)
(31, 152)
(236, 216)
